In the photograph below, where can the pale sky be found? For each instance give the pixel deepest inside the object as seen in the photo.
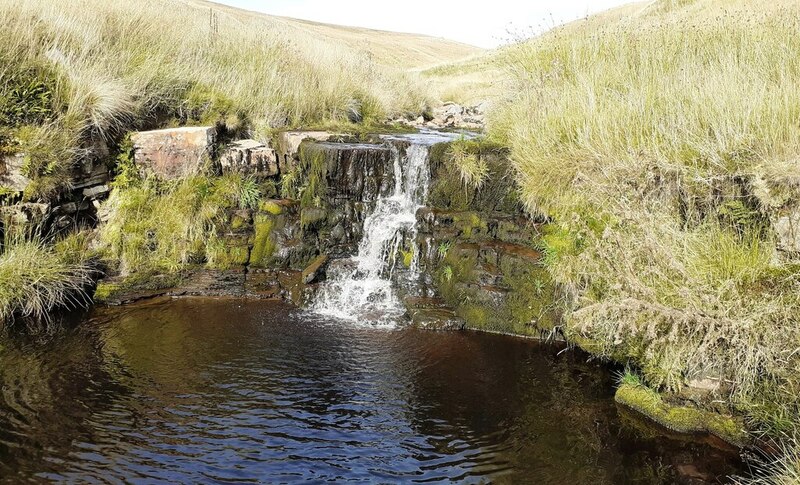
(484, 23)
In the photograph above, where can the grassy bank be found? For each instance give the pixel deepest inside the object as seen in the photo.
(661, 138)
(75, 73)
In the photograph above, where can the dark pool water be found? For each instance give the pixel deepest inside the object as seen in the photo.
(205, 391)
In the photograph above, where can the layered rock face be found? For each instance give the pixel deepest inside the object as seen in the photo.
(314, 195)
(485, 267)
(75, 204)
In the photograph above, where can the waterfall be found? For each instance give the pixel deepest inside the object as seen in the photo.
(360, 289)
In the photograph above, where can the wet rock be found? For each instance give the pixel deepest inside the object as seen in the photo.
(316, 270)
(212, 283)
(263, 284)
(358, 172)
(475, 226)
(174, 153)
(249, 157)
(432, 314)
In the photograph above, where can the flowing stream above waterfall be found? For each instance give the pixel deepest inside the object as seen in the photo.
(361, 289)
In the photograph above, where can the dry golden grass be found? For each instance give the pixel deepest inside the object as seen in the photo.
(118, 62)
(394, 49)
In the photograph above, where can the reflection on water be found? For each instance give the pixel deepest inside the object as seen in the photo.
(203, 390)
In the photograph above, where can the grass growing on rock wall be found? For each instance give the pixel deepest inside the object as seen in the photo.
(156, 226)
(661, 139)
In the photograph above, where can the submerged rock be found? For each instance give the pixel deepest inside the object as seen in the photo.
(432, 313)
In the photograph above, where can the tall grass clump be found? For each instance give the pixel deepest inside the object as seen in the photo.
(646, 135)
(782, 468)
(37, 277)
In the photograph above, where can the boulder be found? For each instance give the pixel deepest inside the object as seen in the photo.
(175, 152)
(11, 176)
(249, 157)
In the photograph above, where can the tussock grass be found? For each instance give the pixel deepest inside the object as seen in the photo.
(658, 138)
(117, 61)
(469, 81)
(37, 277)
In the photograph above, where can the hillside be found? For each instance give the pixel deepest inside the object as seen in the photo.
(396, 49)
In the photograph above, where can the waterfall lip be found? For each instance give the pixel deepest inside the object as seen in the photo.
(429, 137)
(356, 146)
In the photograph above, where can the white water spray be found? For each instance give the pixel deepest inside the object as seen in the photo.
(362, 290)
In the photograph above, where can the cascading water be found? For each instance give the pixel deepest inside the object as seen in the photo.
(361, 289)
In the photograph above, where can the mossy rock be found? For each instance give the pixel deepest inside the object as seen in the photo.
(682, 419)
(263, 241)
(238, 222)
(270, 207)
(312, 218)
(107, 292)
(230, 257)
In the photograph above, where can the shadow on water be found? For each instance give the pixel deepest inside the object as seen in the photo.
(207, 390)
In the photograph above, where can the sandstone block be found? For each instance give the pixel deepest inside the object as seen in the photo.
(11, 176)
(175, 152)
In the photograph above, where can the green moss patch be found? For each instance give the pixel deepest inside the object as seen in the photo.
(263, 242)
(682, 419)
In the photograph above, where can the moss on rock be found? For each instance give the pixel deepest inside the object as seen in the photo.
(682, 419)
(263, 242)
(270, 207)
(106, 292)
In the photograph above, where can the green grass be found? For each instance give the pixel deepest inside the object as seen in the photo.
(660, 138)
(37, 277)
(164, 226)
(782, 468)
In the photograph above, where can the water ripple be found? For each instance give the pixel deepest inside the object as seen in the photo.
(225, 392)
